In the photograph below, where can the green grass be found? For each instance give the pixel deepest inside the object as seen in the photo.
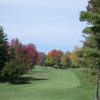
(50, 84)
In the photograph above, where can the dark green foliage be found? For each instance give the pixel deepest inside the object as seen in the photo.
(89, 16)
(88, 57)
(13, 69)
(92, 16)
(3, 48)
(91, 49)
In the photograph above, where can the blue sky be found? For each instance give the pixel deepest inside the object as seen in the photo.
(49, 24)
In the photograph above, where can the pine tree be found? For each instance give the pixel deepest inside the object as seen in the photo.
(3, 48)
(92, 36)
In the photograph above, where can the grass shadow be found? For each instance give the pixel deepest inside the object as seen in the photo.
(26, 80)
(22, 80)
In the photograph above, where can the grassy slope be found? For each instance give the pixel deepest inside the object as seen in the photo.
(50, 84)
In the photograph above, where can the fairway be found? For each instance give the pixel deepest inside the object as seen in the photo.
(49, 84)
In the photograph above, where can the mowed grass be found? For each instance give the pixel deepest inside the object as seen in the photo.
(50, 84)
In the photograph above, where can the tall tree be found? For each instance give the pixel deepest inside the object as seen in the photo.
(31, 54)
(3, 48)
(92, 36)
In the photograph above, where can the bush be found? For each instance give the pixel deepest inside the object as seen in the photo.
(13, 69)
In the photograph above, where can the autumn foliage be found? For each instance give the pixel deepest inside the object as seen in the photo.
(31, 54)
(17, 58)
(53, 57)
(22, 58)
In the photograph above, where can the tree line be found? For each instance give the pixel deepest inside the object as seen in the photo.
(17, 58)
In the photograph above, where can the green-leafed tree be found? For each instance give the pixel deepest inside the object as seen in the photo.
(49, 61)
(3, 49)
(92, 36)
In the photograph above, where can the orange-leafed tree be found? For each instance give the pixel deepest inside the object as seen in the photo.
(66, 60)
(54, 56)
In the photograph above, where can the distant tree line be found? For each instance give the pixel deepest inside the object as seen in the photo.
(59, 59)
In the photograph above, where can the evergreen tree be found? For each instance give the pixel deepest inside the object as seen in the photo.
(92, 36)
(3, 48)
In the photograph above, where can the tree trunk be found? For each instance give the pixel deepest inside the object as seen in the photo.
(97, 85)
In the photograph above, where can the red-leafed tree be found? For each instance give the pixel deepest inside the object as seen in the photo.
(24, 53)
(31, 54)
(52, 52)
